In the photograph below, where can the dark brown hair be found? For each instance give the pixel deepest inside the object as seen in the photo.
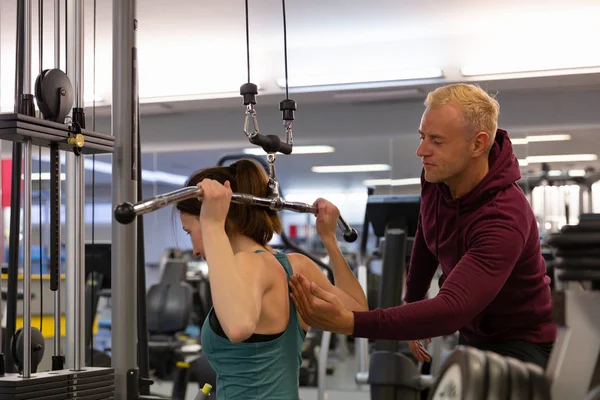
(244, 176)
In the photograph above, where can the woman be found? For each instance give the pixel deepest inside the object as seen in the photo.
(253, 336)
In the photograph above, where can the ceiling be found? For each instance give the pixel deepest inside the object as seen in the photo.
(193, 60)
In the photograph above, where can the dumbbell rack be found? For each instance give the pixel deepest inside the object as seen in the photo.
(573, 368)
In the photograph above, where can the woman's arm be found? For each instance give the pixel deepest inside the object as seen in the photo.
(347, 287)
(236, 292)
(343, 276)
(313, 273)
(236, 287)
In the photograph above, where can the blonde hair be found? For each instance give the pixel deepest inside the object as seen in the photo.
(479, 110)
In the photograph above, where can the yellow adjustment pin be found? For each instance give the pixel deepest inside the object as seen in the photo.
(78, 140)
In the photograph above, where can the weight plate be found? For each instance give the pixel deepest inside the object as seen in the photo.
(519, 379)
(539, 387)
(579, 263)
(574, 240)
(577, 275)
(498, 377)
(462, 376)
(591, 252)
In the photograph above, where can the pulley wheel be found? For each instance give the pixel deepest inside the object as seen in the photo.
(17, 346)
(54, 94)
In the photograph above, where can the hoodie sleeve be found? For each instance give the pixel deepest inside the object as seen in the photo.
(423, 265)
(494, 249)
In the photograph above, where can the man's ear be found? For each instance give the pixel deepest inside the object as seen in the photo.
(480, 143)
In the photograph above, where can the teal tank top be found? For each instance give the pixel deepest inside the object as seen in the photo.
(262, 370)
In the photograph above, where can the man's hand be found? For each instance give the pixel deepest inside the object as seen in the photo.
(320, 309)
(418, 350)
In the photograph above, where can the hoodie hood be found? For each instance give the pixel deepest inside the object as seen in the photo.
(503, 171)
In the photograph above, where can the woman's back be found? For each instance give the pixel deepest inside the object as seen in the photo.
(266, 365)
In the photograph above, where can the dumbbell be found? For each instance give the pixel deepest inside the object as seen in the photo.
(469, 373)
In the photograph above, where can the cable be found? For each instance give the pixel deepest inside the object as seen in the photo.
(93, 191)
(41, 32)
(41, 62)
(40, 228)
(248, 41)
(285, 50)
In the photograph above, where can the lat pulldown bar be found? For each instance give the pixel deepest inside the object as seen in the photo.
(125, 213)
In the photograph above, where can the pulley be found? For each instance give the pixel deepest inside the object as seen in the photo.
(54, 94)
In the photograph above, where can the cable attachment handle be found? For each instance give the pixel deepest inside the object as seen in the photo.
(273, 183)
(269, 143)
(288, 107)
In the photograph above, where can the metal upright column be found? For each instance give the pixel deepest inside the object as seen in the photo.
(75, 310)
(55, 165)
(124, 184)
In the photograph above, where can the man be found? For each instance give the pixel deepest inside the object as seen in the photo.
(477, 225)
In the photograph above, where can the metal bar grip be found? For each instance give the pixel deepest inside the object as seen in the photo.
(125, 213)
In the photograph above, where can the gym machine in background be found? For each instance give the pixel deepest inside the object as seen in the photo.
(56, 98)
(391, 374)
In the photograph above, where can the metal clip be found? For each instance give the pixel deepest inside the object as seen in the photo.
(288, 132)
(250, 113)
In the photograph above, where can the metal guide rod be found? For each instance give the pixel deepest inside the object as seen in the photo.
(27, 148)
(79, 344)
(124, 188)
(125, 212)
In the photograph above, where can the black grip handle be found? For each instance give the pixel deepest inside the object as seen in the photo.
(54, 217)
(351, 236)
(271, 144)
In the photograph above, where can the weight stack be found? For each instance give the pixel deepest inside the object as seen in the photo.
(577, 251)
(90, 384)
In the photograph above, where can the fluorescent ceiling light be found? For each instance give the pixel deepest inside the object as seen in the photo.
(392, 182)
(35, 176)
(327, 169)
(495, 69)
(107, 168)
(577, 172)
(572, 173)
(558, 158)
(361, 77)
(257, 151)
(540, 138)
(384, 94)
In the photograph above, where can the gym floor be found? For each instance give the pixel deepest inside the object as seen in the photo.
(340, 385)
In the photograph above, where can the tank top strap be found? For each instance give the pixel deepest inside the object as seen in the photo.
(283, 260)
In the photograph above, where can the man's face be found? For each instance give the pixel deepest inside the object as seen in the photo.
(444, 149)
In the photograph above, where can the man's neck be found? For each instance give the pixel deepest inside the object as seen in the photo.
(465, 182)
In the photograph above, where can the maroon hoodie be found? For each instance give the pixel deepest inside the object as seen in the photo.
(494, 284)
